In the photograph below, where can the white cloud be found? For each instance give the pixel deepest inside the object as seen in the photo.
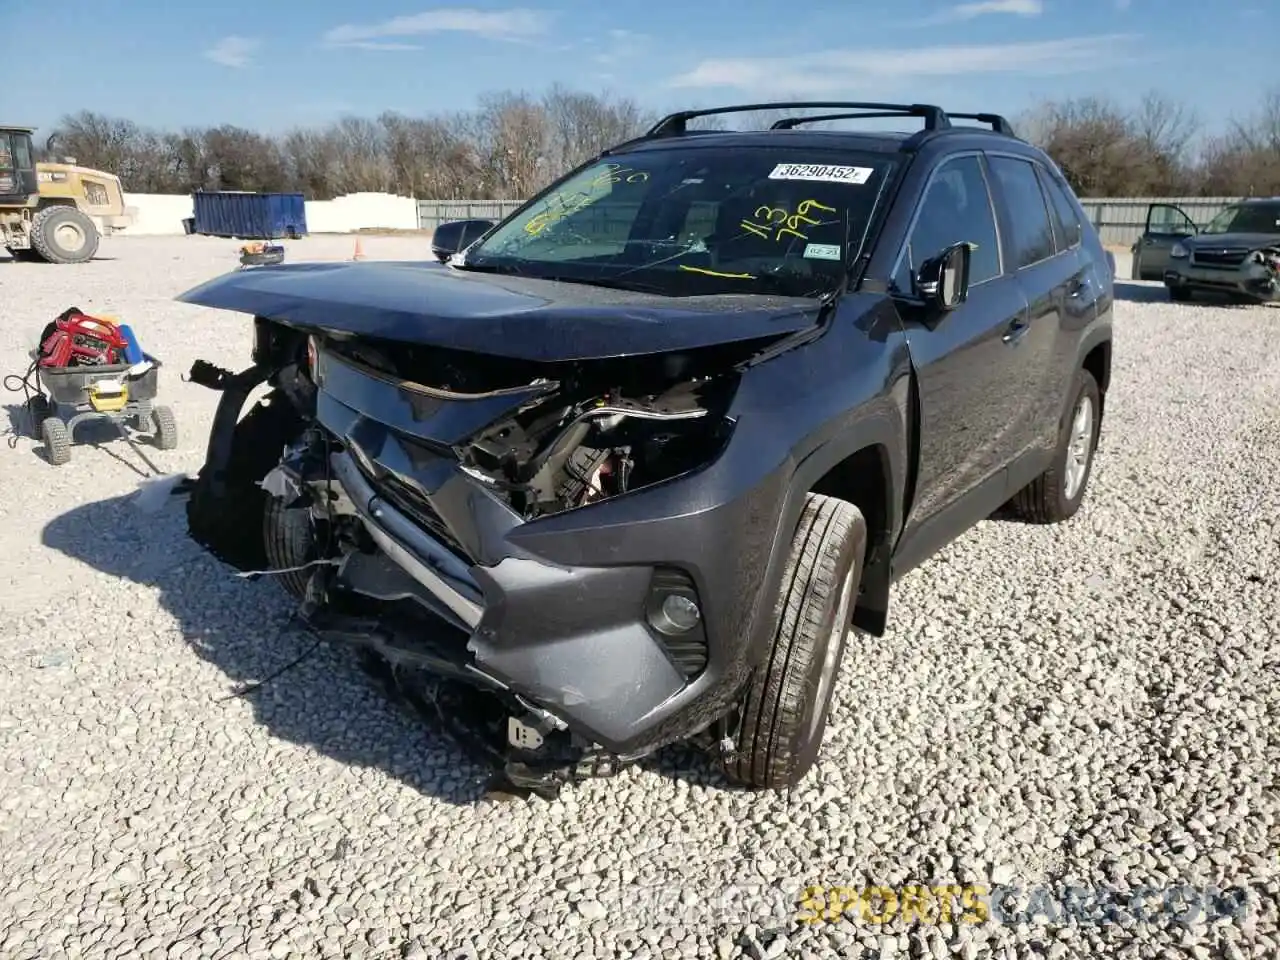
(983, 8)
(621, 45)
(840, 71)
(1122, 4)
(233, 51)
(515, 25)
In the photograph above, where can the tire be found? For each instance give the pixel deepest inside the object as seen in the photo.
(64, 235)
(38, 410)
(784, 713)
(165, 426)
(1050, 498)
(290, 542)
(26, 255)
(1179, 294)
(57, 441)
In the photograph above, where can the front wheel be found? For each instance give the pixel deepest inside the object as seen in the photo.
(64, 235)
(784, 714)
(1179, 294)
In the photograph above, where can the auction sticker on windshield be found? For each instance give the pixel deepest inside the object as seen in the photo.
(821, 171)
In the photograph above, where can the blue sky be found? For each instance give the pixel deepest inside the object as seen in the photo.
(273, 64)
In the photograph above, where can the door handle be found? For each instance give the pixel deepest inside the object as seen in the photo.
(1016, 330)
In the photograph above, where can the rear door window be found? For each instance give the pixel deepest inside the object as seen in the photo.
(1032, 239)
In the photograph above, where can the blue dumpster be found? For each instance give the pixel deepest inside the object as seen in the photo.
(249, 216)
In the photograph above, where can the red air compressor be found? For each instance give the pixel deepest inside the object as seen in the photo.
(75, 339)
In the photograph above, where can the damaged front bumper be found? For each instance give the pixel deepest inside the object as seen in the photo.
(1256, 277)
(566, 614)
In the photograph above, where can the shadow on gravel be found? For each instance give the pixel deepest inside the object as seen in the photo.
(1141, 292)
(6, 261)
(1133, 292)
(324, 700)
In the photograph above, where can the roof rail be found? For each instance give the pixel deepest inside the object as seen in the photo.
(998, 123)
(675, 124)
(788, 123)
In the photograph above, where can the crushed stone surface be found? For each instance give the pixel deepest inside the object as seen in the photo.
(1094, 705)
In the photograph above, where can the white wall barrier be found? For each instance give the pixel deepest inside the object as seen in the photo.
(159, 213)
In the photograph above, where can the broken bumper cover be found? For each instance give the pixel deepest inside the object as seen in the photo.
(563, 618)
(1254, 280)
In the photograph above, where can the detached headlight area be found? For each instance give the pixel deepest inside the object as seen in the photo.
(1179, 251)
(558, 457)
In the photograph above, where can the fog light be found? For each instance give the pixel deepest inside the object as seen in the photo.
(676, 614)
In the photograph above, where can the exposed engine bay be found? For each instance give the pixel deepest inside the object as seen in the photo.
(590, 430)
(550, 438)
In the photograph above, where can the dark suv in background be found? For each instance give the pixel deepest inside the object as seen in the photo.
(641, 454)
(1236, 254)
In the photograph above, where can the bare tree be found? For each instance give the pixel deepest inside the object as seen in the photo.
(513, 143)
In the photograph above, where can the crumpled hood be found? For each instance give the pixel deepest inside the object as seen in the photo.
(508, 316)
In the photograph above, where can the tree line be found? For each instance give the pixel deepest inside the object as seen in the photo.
(511, 144)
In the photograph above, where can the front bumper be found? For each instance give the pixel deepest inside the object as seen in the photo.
(1252, 280)
(556, 611)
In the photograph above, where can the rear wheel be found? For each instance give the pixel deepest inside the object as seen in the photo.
(38, 410)
(784, 714)
(1056, 494)
(64, 235)
(165, 424)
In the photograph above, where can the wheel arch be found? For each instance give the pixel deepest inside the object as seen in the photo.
(1095, 357)
(44, 203)
(866, 466)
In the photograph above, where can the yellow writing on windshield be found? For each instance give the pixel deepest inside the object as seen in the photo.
(717, 273)
(617, 173)
(565, 204)
(777, 222)
(559, 207)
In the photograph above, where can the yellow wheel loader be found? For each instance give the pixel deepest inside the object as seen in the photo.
(56, 212)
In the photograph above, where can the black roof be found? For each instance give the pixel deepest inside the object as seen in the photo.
(870, 141)
(672, 130)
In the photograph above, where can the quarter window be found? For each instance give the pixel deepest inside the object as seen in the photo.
(956, 209)
(1032, 239)
(1066, 222)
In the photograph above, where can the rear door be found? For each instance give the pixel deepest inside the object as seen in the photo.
(1166, 224)
(1049, 273)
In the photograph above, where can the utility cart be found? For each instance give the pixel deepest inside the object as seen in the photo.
(121, 393)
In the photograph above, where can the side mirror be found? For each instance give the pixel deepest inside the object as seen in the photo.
(943, 281)
(449, 238)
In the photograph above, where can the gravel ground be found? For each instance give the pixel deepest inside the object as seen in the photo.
(1092, 705)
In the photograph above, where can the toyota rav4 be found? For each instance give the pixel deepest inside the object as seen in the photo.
(638, 457)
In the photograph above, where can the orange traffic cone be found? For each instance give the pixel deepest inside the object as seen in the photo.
(359, 251)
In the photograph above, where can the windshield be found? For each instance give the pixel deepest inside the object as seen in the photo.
(1247, 218)
(690, 220)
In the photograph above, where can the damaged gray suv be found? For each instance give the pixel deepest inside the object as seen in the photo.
(637, 458)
